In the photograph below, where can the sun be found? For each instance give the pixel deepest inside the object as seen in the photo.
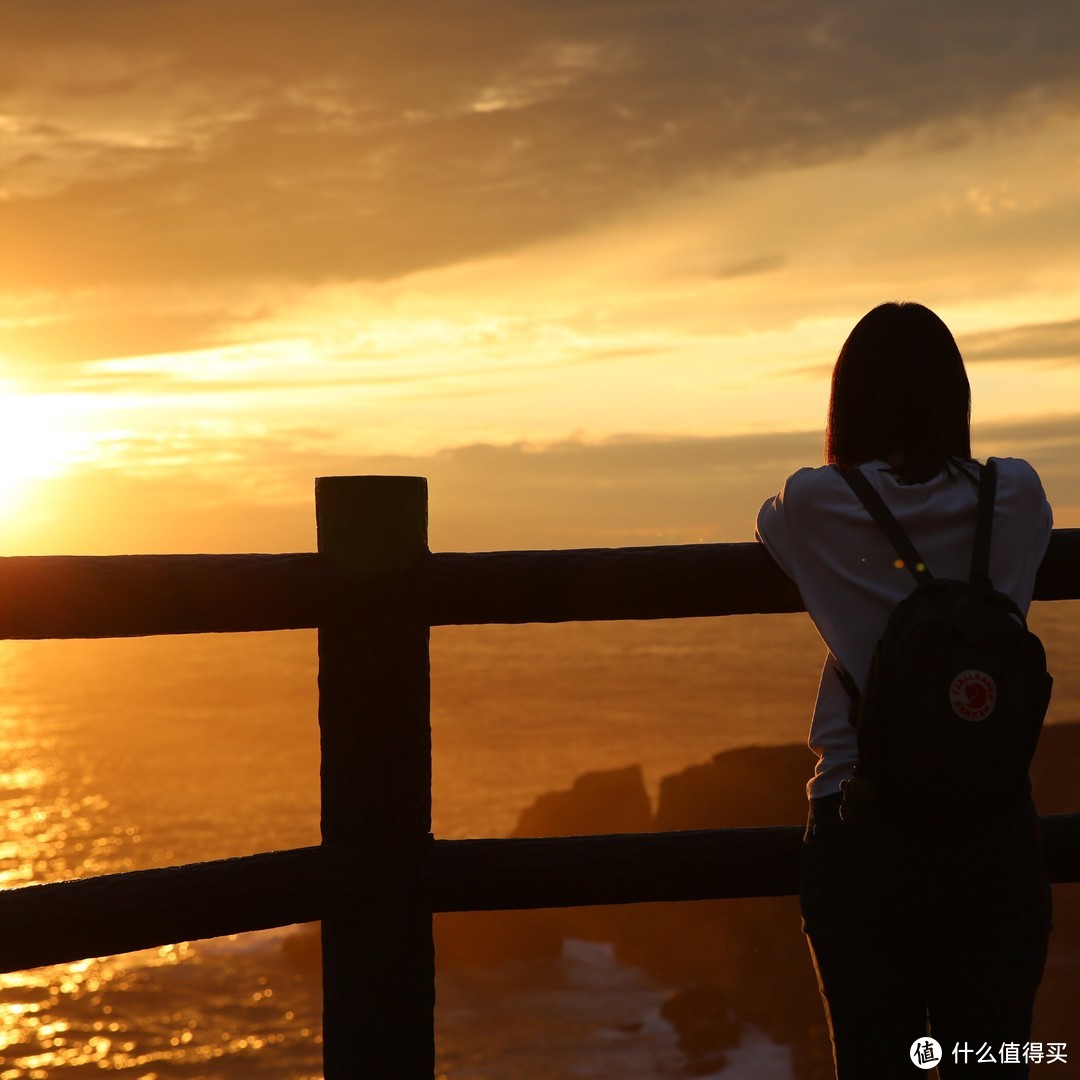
(35, 442)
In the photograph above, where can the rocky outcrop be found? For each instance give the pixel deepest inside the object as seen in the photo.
(753, 785)
(748, 954)
(706, 1024)
(608, 801)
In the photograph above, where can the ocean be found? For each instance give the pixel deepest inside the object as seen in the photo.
(126, 754)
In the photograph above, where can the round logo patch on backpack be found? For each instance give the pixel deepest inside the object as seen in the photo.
(973, 695)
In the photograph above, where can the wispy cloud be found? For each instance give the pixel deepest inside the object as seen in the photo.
(1039, 341)
(61, 346)
(221, 487)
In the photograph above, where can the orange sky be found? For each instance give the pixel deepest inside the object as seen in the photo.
(584, 266)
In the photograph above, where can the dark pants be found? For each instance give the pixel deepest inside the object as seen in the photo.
(915, 924)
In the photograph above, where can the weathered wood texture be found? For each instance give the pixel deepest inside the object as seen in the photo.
(70, 920)
(62, 596)
(374, 718)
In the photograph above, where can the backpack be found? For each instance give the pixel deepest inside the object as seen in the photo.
(950, 713)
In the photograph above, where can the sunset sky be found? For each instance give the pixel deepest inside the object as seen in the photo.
(585, 265)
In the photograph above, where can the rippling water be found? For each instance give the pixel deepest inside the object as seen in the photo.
(129, 754)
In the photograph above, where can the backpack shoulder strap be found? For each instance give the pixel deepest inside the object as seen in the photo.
(980, 553)
(888, 524)
(851, 687)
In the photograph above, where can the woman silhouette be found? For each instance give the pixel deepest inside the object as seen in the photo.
(909, 924)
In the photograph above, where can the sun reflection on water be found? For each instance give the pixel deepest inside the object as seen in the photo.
(51, 830)
(146, 1009)
(104, 769)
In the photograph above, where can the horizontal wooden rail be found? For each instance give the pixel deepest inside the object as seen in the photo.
(66, 921)
(89, 596)
(629, 868)
(649, 583)
(63, 921)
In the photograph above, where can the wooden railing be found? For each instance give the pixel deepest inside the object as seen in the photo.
(373, 590)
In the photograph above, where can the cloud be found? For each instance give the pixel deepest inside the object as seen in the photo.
(663, 490)
(761, 264)
(214, 488)
(1039, 341)
(59, 347)
(328, 140)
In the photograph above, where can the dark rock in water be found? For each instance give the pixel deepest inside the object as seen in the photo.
(703, 1018)
(751, 952)
(607, 801)
(753, 785)
(706, 1064)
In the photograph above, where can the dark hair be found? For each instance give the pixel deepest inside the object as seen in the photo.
(899, 388)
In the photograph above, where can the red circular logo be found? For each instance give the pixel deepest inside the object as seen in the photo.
(973, 695)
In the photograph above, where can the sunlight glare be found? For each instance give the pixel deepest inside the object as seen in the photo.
(34, 443)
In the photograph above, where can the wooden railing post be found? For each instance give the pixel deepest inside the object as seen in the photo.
(374, 718)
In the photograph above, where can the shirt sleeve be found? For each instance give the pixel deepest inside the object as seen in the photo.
(773, 529)
(1031, 507)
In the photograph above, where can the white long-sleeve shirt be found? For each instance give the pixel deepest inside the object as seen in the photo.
(826, 542)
